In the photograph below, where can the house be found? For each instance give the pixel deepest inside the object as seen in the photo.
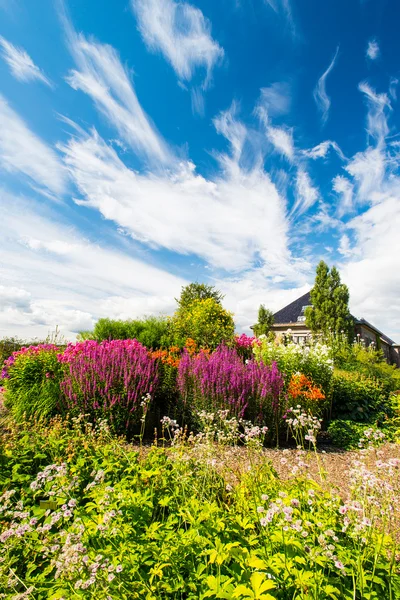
(293, 317)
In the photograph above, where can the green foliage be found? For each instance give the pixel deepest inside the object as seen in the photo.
(329, 313)
(85, 516)
(152, 332)
(198, 291)
(204, 321)
(32, 388)
(265, 321)
(359, 398)
(8, 345)
(346, 434)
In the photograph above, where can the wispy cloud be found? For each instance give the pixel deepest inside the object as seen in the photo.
(282, 140)
(320, 95)
(373, 50)
(307, 194)
(343, 187)
(21, 151)
(378, 108)
(22, 66)
(181, 33)
(101, 75)
(276, 99)
(322, 149)
(285, 8)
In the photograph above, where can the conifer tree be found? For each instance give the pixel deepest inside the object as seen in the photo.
(329, 313)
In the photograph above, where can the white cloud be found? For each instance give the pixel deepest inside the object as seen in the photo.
(378, 107)
(229, 222)
(321, 97)
(21, 151)
(322, 149)
(275, 100)
(51, 276)
(181, 33)
(345, 246)
(282, 140)
(373, 50)
(22, 66)
(102, 76)
(344, 187)
(284, 7)
(307, 194)
(374, 276)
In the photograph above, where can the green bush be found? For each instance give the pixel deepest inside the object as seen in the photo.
(32, 381)
(359, 398)
(152, 332)
(346, 434)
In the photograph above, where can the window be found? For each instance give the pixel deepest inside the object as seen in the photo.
(301, 319)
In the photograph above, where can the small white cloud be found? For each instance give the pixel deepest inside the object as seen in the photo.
(321, 97)
(306, 193)
(282, 140)
(22, 66)
(378, 107)
(322, 149)
(276, 99)
(344, 187)
(345, 246)
(21, 151)
(372, 50)
(181, 33)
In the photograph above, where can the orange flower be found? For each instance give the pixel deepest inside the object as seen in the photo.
(302, 386)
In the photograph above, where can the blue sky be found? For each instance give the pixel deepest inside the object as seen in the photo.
(145, 144)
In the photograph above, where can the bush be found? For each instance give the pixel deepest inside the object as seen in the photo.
(346, 434)
(108, 380)
(314, 361)
(32, 377)
(359, 398)
(204, 321)
(152, 332)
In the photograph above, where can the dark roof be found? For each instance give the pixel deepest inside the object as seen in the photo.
(290, 313)
(382, 335)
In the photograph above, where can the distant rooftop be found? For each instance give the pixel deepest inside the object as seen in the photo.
(294, 313)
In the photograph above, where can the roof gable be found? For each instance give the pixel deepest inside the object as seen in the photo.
(289, 313)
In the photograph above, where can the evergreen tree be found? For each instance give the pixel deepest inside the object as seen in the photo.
(265, 321)
(329, 313)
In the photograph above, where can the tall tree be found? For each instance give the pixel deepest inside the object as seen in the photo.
(198, 291)
(265, 321)
(329, 313)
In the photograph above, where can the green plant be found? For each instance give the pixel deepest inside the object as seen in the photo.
(204, 321)
(265, 321)
(346, 434)
(329, 313)
(152, 332)
(32, 381)
(84, 515)
(358, 397)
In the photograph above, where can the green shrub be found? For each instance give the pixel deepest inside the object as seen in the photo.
(152, 332)
(346, 434)
(32, 381)
(359, 398)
